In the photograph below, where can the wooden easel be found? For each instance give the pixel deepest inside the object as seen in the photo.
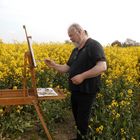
(28, 96)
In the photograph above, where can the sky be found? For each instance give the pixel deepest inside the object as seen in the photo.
(48, 20)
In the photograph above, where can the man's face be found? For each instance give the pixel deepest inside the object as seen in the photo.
(74, 36)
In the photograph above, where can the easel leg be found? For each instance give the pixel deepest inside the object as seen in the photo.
(38, 110)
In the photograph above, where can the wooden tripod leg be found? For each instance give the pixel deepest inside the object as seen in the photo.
(38, 110)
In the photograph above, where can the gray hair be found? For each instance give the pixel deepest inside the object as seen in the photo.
(76, 27)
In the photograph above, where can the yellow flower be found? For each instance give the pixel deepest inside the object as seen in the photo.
(114, 103)
(113, 112)
(123, 131)
(123, 138)
(1, 110)
(109, 82)
(121, 94)
(14, 87)
(133, 138)
(99, 95)
(99, 129)
(129, 91)
(117, 115)
(18, 110)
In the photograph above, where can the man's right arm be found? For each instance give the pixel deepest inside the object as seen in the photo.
(61, 68)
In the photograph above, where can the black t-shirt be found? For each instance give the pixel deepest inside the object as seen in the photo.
(83, 60)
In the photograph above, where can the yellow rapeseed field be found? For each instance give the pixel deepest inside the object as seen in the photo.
(116, 110)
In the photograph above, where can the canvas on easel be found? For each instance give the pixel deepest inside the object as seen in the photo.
(33, 62)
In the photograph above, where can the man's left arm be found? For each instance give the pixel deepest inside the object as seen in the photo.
(99, 68)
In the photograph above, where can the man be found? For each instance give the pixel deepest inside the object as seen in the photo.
(85, 65)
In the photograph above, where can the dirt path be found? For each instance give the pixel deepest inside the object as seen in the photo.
(66, 130)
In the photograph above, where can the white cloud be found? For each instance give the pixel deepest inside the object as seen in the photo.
(48, 20)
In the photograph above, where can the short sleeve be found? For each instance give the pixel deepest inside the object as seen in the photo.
(96, 52)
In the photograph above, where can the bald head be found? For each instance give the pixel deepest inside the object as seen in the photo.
(77, 34)
(75, 27)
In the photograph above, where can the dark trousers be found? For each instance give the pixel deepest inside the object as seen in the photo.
(81, 108)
